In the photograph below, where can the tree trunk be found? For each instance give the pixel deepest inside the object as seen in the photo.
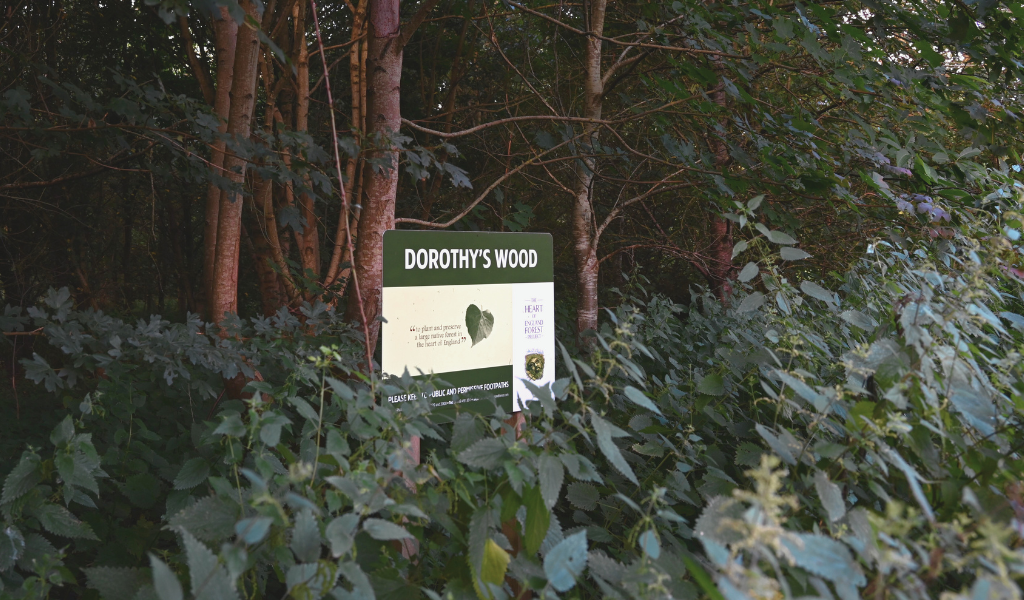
(583, 223)
(225, 36)
(384, 71)
(229, 220)
(720, 268)
(309, 241)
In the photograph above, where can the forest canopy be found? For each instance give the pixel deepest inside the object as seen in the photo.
(788, 267)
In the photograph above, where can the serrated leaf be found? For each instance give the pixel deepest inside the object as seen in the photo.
(583, 495)
(858, 319)
(790, 253)
(776, 444)
(648, 542)
(59, 521)
(210, 581)
(142, 489)
(817, 292)
(253, 530)
(712, 384)
(165, 582)
(116, 583)
(22, 478)
(640, 399)
(805, 391)
(824, 557)
(478, 323)
(340, 533)
(361, 588)
(306, 538)
(211, 519)
(192, 474)
(748, 272)
(486, 454)
(551, 474)
(379, 529)
(495, 563)
(604, 441)
(37, 548)
(749, 455)
(566, 561)
(231, 425)
(750, 303)
(831, 496)
(538, 520)
(63, 432)
(12, 545)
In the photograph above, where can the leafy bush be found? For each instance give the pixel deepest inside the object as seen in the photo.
(801, 442)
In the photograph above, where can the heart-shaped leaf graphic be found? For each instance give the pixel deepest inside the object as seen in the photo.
(479, 323)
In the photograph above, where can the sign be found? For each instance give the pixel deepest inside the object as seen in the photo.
(474, 308)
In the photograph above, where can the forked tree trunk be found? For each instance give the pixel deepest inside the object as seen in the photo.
(384, 71)
(229, 219)
(225, 36)
(584, 227)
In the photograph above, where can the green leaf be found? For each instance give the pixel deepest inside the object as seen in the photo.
(164, 581)
(640, 399)
(59, 521)
(817, 292)
(143, 490)
(478, 323)
(712, 384)
(12, 545)
(748, 272)
(858, 319)
(485, 454)
(776, 237)
(192, 474)
(22, 478)
(361, 588)
(739, 248)
(830, 495)
(495, 564)
(211, 519)
(604, 432)
(755, 202)
(751, 303)
(583, 495)
(63, 432)
(551, 474)
(306, 538)
(789, 253)
(538, 519)
(648, 542)
(824, 557)
(253, 530)
(116, 583)
(379, 529)
(702, 578)
(566, 561)
(210, 581)
(340, 533)
(231, 425)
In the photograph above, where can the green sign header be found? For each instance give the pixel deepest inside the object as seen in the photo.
(431, 258)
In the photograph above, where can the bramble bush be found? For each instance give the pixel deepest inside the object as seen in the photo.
(852, 438)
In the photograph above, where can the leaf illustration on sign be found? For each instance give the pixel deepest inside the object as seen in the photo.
(479, 323)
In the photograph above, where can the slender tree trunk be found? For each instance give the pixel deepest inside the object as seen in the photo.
(243, 96)
(309, 241)
(583, 221)
(384, 71)
(225, 37)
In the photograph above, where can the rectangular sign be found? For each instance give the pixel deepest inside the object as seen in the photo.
(474, 308)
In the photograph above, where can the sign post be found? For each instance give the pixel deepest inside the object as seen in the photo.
(476, 309)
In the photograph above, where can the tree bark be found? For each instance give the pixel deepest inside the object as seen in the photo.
(584, 227)
(720, 268)
(225, 37)
(309, 241)
(229, 221)
(384, 71)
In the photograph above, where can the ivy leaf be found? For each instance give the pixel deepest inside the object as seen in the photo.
(192, 473)
(604, 431)
(538, 520)
(485, 454)
(59, 521)
(478, 323)
(379, 529)
(22, 478)
(116, 583)
(566, 561)
(165, 582)
(640, 399)
(495, 564)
